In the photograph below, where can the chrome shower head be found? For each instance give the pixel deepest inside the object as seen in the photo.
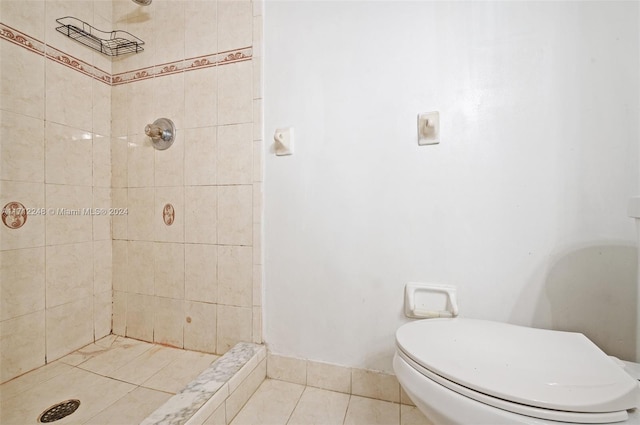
(142, 2)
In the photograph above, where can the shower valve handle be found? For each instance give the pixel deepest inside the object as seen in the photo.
(162, 133)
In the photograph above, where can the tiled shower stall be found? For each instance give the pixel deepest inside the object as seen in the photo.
(72, 133)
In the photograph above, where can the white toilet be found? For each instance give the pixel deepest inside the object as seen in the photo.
(465, 371)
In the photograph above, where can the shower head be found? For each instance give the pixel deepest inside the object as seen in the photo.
(142, 2)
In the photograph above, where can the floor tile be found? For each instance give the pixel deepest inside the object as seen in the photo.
(272, 404)
(182, 370)
(372, 412)
(320, 407)
(33, 378)
(95, 393)
(146, 364)
(411, 415)
(122, 352)
(83, 354)
(132, 408)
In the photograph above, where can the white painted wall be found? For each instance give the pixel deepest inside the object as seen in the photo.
(522, 205)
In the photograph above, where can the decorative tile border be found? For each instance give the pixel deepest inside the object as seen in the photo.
(212, 384)
(191, 64)
(16, 37)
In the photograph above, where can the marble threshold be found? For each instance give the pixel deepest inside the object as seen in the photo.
(199, 399)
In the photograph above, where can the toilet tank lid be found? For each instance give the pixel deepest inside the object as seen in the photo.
(537, 367)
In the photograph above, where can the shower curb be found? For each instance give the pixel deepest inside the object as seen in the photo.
(230, 380)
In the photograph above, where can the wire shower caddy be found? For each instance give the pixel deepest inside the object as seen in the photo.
(112, 43)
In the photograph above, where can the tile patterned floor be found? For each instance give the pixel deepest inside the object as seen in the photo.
(283, 403)
(118, 381)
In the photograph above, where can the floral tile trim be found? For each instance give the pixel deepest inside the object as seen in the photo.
(34, 45)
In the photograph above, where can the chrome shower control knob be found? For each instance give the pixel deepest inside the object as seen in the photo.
(162, 133)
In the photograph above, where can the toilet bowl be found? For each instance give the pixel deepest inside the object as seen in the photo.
(464, 371)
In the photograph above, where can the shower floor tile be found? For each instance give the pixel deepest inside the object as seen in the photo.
(106, 377)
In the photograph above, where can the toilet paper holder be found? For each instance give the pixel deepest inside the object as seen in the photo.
(419, 298)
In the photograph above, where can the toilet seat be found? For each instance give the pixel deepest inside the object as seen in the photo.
(559, 376)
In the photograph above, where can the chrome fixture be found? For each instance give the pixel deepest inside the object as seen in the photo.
(142, 2)
(162, 133)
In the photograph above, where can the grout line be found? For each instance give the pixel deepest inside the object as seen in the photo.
(344, 419)
(296, 406)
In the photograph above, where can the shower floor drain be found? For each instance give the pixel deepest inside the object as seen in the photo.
(59, 411)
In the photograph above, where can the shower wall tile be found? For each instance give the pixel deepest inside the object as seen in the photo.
(234, 159)
(257, 284)
(69, 327)
(140, 268)
(65, 222)
(169, 99)
(169, 270)
(118, 160)
(169, 163)
(168, 324)
(257, 36)
(235, 280)
(120, 109)
(257, 119)
(120, 211)
(101, 217)
(140, 161)
(102, 310)
(200, 27)
(119, 324)
(101, 161)
(23, 344)
(257, 325)
(140, 316)
(201, 100)
(66, 151)
(31, 234)
(169, 229)
(120, 270)
(258, 163)
(201, 214)
(101, 107)
(200, 156)
(69, 96)
(257, 78)
(22, 150)
(201, 273)
(22, 282)
(172, 36)
(140, 217)
(69, 273)
(235, 215)
(235, 19)
(102, 266)
(234, 324)
(235, 91)
(200, 326)
(27, 17)
(140, 105)
(22, 82)
(258, 7)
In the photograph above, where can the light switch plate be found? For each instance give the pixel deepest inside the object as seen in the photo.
(429, 128)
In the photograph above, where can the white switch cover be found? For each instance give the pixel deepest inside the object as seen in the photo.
(428, 128)
(283, 138)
